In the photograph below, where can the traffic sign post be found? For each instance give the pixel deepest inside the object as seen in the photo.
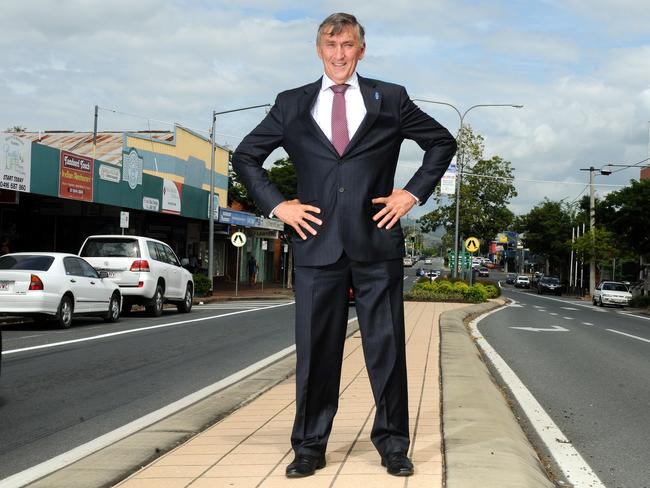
(472, 244)
(238, 240)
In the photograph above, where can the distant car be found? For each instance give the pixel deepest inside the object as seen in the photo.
(420, 272)
(611, 293)
(146, 270)
(350, 295)
(484, 272)
(428, 261)
(522, 281)
(510, 278)
(433, 274)
(549, 284)
(57, 285)
(408, 261)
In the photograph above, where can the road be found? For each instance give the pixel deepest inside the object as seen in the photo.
(58, 397)
(589, 368)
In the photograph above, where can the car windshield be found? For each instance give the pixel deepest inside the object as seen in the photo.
(523, 278)
(26, 262)
(614, 287)
(551, 281)
(111, 248)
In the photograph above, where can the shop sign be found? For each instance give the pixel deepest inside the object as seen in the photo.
(15, 162)
(171, 200)
(132, 165)
(264, 234)
(152, 204)
(273, 224)
(235, 217)
(109, 173)
(76, 177)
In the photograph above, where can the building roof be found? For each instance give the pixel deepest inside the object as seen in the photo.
(109, 144)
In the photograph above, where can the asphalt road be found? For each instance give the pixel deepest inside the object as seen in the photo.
(590, 370)
(58, 397)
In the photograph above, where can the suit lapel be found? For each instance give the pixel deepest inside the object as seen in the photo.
(372, 100)
(309, 99)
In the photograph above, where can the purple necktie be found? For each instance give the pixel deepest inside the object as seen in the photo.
(340, 136)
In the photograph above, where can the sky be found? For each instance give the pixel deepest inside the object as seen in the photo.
(581, 68)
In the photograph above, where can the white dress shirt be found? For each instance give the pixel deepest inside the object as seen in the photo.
(355, 109)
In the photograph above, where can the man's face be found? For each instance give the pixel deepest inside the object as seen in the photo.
(340, 53)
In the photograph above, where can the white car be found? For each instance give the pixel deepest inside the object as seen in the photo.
(408, 261)
(59, 285)
(146, 270)
(611, 293)
(522, 281)
(428, 261)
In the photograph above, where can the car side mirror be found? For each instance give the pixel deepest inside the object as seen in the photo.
(103, 274)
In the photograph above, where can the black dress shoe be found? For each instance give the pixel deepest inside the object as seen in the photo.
(397, 464)
(305, 465)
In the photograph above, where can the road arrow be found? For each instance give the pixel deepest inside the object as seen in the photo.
(556, 328)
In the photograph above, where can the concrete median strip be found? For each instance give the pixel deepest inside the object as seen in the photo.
(484, 444)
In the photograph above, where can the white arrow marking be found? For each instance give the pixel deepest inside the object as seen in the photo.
(569, 308)
(555, 328)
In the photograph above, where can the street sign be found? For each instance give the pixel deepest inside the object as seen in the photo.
(472, 244)
(265, 245)
(238, 239)
(124, 220)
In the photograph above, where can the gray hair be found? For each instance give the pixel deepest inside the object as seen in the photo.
(336, 23)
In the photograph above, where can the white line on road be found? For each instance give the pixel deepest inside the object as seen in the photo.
(554, 328)
(587, 323)
(553, 313)
(567, 318)
(572, 464)
(569, 308)
(131, 331)
(634, 315)
(43, 469)
(629, 335)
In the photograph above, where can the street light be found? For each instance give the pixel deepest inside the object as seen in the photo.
(211, 196)
(460, 164)
(592, 221)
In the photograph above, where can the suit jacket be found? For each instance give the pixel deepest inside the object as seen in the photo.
(343, 186)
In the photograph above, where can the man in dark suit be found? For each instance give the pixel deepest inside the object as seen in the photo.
(343, 134)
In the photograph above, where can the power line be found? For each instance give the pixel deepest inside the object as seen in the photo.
(555, 182)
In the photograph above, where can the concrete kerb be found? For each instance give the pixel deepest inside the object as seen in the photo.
(483, 443)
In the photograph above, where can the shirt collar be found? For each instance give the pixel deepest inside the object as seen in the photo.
(353, 81)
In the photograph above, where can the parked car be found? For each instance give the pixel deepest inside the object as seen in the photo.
(408, 261)
(428, 261)
(57, 285)
(549, 284)
(611, 293)
(522, 281)
(484, 272)
(146, 270)
(510, 278)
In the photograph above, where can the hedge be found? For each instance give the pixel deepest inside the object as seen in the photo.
(448, 291)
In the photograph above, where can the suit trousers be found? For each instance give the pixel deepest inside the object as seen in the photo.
(321, 323)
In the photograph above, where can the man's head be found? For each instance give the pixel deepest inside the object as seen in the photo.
(340, 45)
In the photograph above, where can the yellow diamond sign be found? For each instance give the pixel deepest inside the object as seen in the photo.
(472, 244)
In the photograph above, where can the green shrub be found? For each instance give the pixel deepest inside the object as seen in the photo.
(640, 301)
(201, 284)
(477, 293)
(446, 291)
(492, 291)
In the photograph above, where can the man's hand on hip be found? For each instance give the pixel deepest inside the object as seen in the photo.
(297, 215)
(397, 204)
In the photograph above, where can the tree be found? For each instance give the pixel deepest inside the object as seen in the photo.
(17, 128)
(599, 244)
(485, 193)
(547, 232)
(282, 174)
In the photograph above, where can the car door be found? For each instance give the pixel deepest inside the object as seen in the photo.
(78, 284)
(98, 293)
(175, 272)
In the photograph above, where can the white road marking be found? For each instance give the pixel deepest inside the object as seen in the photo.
(567, 318)
(572, 464)
(634, 315)
(553, 313)
(554, 328)
(43, 469)
(131, 331)
(629, 335)
(569, 308)
(587, 323)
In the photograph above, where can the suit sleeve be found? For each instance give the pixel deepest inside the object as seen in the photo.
(438, 144)
(248, 158)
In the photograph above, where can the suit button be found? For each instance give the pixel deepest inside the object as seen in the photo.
(341, 190)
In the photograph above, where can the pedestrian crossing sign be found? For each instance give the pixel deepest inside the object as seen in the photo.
(472, 244)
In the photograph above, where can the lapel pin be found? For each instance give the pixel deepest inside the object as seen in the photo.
(376, 95)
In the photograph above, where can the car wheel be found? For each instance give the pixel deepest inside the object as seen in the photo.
(64, 312)
(186, 305)
(156, 307)
(600, 302)
(113, 313)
